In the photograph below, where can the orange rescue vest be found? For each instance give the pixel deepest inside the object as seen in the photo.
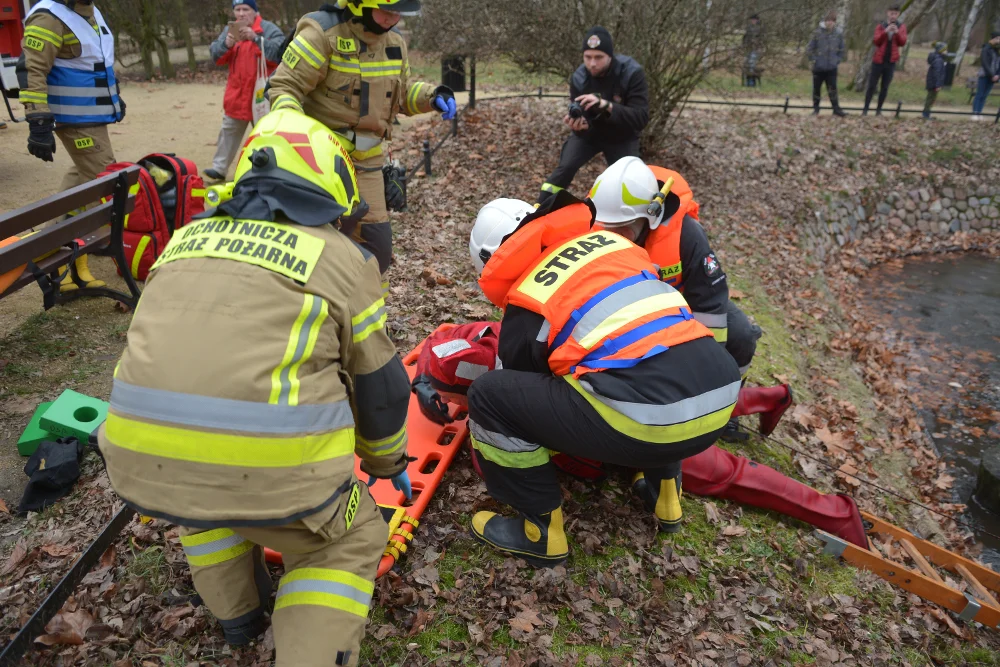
(598, 292)
(664, 243)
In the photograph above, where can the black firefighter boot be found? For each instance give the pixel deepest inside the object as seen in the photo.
(537, 538)
(664, 502)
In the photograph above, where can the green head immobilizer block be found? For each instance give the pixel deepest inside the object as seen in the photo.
(34, 434)
(74, 415)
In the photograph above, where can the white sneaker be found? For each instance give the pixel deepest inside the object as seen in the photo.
(976, 118)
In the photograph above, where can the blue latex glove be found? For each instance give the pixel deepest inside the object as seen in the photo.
(447, 106)
(400, 482)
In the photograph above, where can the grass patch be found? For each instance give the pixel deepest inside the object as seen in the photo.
(149, 564)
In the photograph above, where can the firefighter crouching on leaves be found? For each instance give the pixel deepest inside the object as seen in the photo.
(348, 69)
(71, 93)
(600, 360)
(260, 332)
(677, 244)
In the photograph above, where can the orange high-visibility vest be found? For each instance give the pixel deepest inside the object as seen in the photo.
(598, 292)
(664, 243)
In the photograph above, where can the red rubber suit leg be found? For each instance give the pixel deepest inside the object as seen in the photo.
(720, 474)
(769, 402)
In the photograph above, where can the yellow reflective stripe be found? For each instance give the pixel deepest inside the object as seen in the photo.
(670, 271)
(132, 191)
(364, 155)
(214, 546)
(520, 460)
(286, 361)
(385, 446)
(632, 312)
(285, 100)
(225, 449)
(651, 433)
(70, 39)
(721, 335)
(336, 589)
(411, 97)
(368, 321)
(348, 65)
(315, 326)
(32, 97)
(548, 187)
(308, 51)
(305, 55)
(47, 35)
(137, 257)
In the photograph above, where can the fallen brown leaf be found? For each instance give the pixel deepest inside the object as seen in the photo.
(66, 628)
(16, 556)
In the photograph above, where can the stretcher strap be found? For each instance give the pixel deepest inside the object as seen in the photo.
(396, 517)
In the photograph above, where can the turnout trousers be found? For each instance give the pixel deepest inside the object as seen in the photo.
(517, 418)
(323, 598)
(578, 151)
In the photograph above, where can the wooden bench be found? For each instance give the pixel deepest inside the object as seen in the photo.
(96, 231)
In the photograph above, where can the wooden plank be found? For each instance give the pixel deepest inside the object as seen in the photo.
(60, 258)
(59, 234)
(921, 562)
(915, 582)
(935, 554)
(981, 592)
(50, 208)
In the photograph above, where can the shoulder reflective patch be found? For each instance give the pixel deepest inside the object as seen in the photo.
(566, 260)
(284, 249)
(450, 347)
(669, 271)
(290, 58)
(352, 504)
(34, 43)
(346, 45)
(84, 142)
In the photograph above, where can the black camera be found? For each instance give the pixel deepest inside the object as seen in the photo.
(575, 110)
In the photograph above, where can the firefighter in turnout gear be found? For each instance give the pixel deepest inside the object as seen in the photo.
(677, 244)
(71, 93)
(600, 360)
(257, 366)
(348, 69)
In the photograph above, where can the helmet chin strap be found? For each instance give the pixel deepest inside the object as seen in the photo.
(367, 19)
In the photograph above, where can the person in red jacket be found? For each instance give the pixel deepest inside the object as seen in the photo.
(451, 359)
(890, 36)
(239, 48)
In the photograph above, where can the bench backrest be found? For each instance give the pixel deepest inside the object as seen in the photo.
(63, 232)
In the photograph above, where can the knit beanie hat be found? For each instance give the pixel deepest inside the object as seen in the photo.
(252, 4)
(599, 39)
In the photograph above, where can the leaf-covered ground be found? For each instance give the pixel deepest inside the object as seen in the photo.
(735, 586)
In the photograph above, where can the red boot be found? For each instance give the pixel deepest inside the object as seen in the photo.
(769, 402)
(719, 474)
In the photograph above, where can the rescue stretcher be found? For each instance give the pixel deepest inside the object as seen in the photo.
(434, 448)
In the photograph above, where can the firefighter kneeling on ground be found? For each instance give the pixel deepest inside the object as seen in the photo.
(347, 68)
(600, 359)
(676, 242)
(257, 365)
(452, 359)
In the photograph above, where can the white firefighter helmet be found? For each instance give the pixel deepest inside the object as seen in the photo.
(495, 221)
(622, 193)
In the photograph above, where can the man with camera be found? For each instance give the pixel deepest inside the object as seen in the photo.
(609, 107)
(890, 37)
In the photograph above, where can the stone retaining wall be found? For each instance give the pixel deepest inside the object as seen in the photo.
(928, 210)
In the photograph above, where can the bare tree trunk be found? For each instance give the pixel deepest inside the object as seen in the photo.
(970, 22)
(185, 27)
(913, 13)
(904, 55)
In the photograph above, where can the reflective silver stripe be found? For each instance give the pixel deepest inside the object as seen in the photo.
(506, 443)
(468, 371)
(214, 546)
(321, 586)
(387, 447)
(77, 110)
(365, 143)
(78, 91)
(300, 348)
(389, 67)
(615, 302)
(675, 413)
(368, 321)
(543, 333)
(450, 347)
(228, 414)
(713, 320)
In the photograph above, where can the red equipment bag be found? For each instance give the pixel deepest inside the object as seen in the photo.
(159, 208)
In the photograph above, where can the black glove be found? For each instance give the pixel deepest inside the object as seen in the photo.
(121, 103)
(41, 141)
(395, 187)
(431, 405)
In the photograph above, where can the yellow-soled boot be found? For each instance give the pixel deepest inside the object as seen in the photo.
(664, 502)
(537, 538)
(82, 270)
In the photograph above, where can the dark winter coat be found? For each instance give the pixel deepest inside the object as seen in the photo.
(624, 85)
(935, 71)
(989, 61)
(826, 49)
(881, 37)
